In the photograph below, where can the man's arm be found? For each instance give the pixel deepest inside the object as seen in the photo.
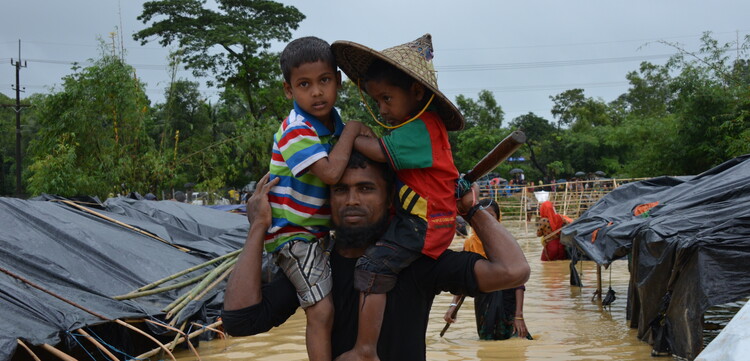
(329, 169)
(243, 288)
(250, 308)
(506, 265)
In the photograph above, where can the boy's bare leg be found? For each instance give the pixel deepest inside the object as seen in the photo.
(318, 331)
(371, 310)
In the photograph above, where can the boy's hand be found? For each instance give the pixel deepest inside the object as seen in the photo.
(258, 206)
(366, 131)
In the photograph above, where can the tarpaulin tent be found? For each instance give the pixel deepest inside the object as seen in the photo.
(689, 239)
(62, 263)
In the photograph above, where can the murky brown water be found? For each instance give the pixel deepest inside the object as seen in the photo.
(565, 323)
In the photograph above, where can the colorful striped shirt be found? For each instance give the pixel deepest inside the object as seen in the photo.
(299, 202)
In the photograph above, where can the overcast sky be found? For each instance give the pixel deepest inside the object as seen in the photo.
(522, 51)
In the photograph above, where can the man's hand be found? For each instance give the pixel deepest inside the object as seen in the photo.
(468, 200)
(258, 207)
(353, 355)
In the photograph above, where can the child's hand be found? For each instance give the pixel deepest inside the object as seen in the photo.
(366, 131)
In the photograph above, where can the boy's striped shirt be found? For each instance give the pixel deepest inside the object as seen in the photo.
(299, 201)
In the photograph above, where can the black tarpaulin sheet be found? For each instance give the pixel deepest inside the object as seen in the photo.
(202, 229)
(86, 259)
(690, 251)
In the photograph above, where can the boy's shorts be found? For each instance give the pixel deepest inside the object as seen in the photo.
(377, 271)
(307, 265)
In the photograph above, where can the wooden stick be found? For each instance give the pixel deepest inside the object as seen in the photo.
(190, 335)
(61, 355)
(97, 344)
(223, 335)
(453, 315)
(136, 329)
(88, 210)
(33, 355)
(179, 332)
(32, 284)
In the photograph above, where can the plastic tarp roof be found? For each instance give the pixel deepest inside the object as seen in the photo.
(690, 249)
(87, 259)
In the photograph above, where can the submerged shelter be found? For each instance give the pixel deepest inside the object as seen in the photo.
(687, 240)
(63, 262)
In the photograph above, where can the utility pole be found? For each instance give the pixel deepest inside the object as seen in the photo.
(17, 107)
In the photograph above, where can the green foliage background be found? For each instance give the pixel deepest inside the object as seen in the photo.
(100, 135)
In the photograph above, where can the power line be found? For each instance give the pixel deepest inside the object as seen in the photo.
(521, 88)
(591, 43)
(547, 64)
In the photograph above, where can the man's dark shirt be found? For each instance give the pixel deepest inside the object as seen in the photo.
(407, 311)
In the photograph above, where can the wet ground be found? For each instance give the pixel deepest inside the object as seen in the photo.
(564, 321)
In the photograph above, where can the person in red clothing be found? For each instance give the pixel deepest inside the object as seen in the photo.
(403, 83)
(548, 227)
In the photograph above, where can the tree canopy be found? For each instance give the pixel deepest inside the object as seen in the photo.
(99, 134)
(231, 43)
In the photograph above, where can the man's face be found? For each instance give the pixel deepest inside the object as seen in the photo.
(360, 199)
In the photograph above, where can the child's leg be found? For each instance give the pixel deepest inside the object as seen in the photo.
(374, 277)
(307, 266)
(318, 331)
(371, 311)
(376, 274)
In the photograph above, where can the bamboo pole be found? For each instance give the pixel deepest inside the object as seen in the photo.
(136, 329)
(88, 210)
(120, 322)
(221, 333)
(197, 289)
(97, 344)
(190, 335)
(159, 290)
(215, 282)
(190, 295)
(524, 202)
(173, 344)
(186, 271)
(61, 355)
(28, 349)
(565, 198)
(179, 332)
(598, 281)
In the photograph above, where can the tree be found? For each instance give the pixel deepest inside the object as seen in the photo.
(231, 43)
(484, 118)
(541, 140)
(565, 105)
(92, 134)
(483, 112)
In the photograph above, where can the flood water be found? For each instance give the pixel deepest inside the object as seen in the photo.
(564, 321)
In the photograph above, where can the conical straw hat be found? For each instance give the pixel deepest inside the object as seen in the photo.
(413, 58)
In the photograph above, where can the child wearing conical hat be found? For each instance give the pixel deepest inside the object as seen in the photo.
(402, 82)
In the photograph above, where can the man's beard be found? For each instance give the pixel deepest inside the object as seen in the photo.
(348, 237)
